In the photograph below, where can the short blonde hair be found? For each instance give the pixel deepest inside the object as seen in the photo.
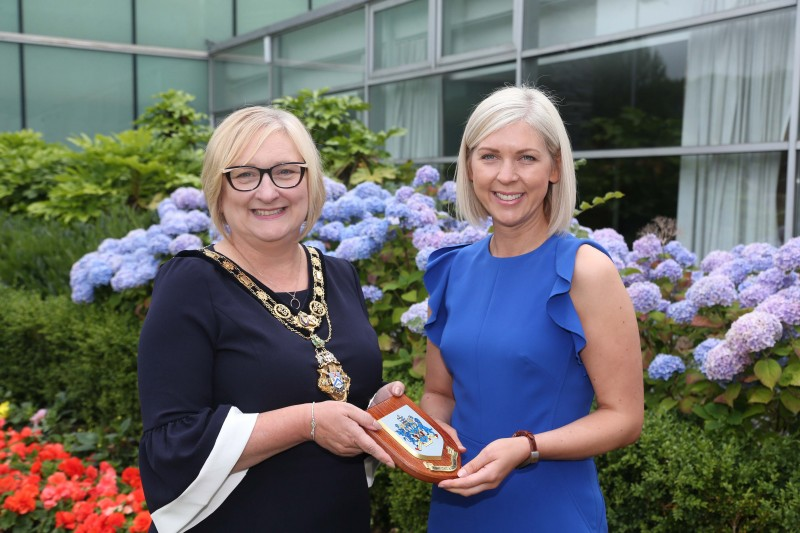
(232, 136)
(503, 107)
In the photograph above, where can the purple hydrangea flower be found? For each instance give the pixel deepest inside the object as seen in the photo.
(371, 293)
(684, 257)
(715, 259)
(404, 193)
(787, 310)
(612, 241)
(174, 223)
(648, 247)
(447, 192)
(189, 198)
(669, 269)
(415, 317)
(663, 366)
(186, 241)
(646, 296)
(425, 174)
(788, 256)
(722, 364)
(754, 293)
(682, 312)
(776, 278)
(712, 290)
(197, 221)
(702, 349)
(754, 332)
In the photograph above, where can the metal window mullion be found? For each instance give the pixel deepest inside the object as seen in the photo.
(794, 123)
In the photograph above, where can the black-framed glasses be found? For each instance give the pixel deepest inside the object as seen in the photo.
(248, 178)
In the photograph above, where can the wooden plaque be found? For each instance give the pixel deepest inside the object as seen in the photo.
(417, 444)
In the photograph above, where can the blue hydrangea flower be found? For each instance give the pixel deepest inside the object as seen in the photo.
(422, 258)
(646, 296)
(669, 269)
(186, 241)
(197, 221)
(682, 312)
(415, 317)
(333, 189)
(759, 255)
(426, 174)
(737, 270)
(345, 208)
(166, 206)
(754, 332)
(332, 231)
(677, 251)
(404, 193)
(356, 248)
(663, 366)
(447, 192)
(174, 223)
(712, 290)
(313, 243)
(702, 349)
(371, 293)
(189, 198)
(369, 189)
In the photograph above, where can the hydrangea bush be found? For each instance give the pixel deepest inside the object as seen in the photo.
(719, 335)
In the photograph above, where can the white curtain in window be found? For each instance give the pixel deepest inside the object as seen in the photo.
(737, 91)
(415, 105)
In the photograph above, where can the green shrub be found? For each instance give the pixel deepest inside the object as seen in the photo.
(678, 477)
(49, 345)
(38, 254)
(27, 166)
(351, 152)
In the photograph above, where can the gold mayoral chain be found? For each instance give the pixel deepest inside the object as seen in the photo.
(333, 380)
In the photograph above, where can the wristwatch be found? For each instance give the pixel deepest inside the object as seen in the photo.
(534, 456)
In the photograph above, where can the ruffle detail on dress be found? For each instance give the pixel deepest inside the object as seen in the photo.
(436, 278)
(559, 303)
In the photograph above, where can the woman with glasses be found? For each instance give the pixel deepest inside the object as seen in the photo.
(528, 327)
(256, 358)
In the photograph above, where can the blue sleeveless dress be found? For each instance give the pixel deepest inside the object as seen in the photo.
(510, 337)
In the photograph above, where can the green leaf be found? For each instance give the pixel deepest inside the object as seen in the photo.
(759, 395)
(731, 393)
(768, 372)
(791, 402)
(790, 376)
(667, 403)
(410, 296)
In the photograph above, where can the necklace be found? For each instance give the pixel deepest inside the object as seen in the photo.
(333, 380)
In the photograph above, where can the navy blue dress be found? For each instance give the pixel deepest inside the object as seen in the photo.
(511, 338)
(211, 357)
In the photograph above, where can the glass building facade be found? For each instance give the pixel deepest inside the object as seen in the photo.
(689, 107)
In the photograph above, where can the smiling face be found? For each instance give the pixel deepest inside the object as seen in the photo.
(266, 215)
(510, 171)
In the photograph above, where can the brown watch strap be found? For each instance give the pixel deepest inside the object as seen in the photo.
(534, 456)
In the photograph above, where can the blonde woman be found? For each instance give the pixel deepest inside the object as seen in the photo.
(256, 358)
(527, 328)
